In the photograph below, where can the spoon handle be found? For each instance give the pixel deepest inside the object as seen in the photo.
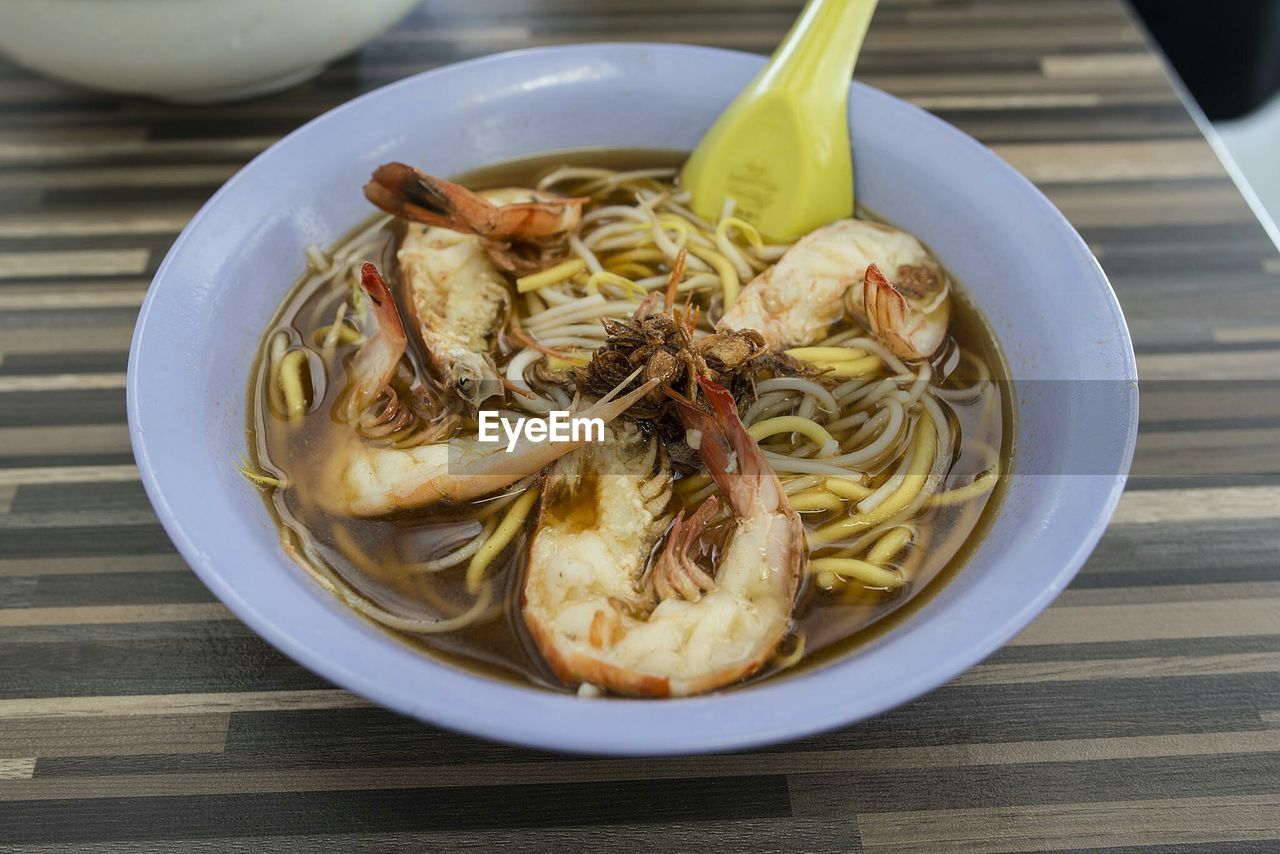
(816, 58)
(779, 154)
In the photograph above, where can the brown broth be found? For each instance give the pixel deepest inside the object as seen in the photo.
(833, 624)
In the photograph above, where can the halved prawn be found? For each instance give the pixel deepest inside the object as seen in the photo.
(824, 275)
(449, 259)
(458, 301)
(368, 479)
(599, 619)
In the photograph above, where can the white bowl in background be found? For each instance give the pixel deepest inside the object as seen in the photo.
(189, 50)
(1036, 282)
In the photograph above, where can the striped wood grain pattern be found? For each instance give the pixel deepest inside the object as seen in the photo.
(1142, 709)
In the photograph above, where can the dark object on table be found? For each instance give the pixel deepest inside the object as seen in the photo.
(1228, 54)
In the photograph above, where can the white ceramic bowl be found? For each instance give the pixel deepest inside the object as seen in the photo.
(189, 50)
(1037, 283)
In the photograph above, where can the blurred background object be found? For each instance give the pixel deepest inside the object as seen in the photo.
(1228, 56)
(189, 50)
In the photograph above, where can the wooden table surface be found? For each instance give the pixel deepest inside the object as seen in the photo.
(1142, 709)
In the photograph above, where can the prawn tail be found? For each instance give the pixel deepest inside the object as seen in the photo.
(375, 362)
(384, 307)
(886, 309)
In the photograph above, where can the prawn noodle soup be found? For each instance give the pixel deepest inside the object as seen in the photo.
(875, 443)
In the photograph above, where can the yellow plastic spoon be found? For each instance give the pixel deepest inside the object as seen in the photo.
(781, 149)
